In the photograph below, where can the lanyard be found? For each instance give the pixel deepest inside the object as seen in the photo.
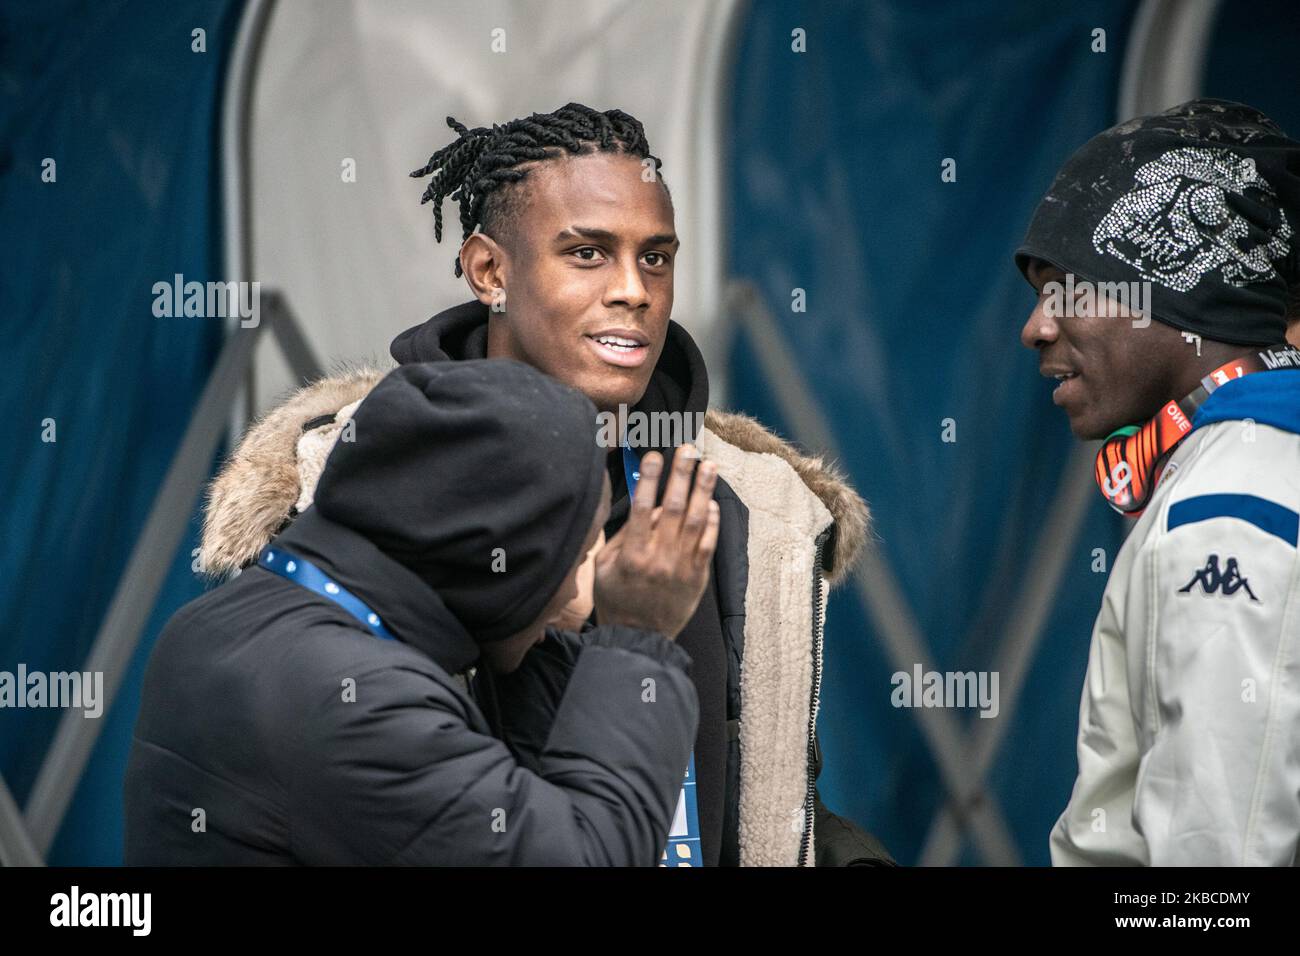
(631, 471)
(683, 847)
(302, 572)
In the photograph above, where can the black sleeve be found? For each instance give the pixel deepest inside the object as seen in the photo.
(408, 774)
(528, 699)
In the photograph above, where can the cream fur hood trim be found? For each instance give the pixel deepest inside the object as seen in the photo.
(823, 479)
(781, 657)
(276, 464)
(258, 486)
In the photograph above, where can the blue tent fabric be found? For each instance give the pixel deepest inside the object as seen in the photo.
(913, 312)
(113, 93)
(1252, 59)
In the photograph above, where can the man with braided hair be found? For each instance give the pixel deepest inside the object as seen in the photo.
(568, 247)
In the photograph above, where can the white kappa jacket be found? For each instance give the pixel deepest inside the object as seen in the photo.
(1189, 726)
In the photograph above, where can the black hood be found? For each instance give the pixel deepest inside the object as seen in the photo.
(679, 383)
(456, 333)
(480, 478)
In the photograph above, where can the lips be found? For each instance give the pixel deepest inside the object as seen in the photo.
(622, 347)
(1068, 382)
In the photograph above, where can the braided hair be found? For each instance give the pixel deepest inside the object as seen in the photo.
(471, 169)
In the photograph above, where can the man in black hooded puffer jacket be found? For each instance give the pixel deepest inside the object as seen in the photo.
(313, 710)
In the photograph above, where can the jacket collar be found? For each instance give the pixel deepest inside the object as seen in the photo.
(1269, 398)
(409, 608)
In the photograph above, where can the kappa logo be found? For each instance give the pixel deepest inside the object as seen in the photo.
(1226, 582)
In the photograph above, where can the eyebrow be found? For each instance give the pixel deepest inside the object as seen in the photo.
(586, 232)
(1042, 269)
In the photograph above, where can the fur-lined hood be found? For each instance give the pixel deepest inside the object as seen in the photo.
(272, 474)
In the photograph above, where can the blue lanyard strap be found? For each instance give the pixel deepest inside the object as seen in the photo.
(683, 847)
(305, 574)
(631, 471)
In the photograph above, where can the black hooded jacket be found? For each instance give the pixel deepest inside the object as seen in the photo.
(276, 728)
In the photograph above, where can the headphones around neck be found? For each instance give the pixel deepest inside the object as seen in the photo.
(1132, 458)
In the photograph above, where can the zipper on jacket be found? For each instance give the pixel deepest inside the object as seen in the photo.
(818, 625)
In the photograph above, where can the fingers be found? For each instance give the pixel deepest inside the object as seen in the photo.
(709, 538)
(675, 530)
(677, 493)
(697, 512)
(636, 531)
(652, 572)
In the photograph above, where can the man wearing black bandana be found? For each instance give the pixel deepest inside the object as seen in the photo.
(1188, 749)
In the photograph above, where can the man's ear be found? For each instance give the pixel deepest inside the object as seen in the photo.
(482, 260)
(1293, 314)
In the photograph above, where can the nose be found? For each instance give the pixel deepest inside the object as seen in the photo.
(625, 286)
(1040, 328)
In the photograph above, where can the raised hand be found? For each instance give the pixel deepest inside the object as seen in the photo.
(652, 573)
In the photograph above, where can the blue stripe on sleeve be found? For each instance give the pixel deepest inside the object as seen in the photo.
(1268, 516)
